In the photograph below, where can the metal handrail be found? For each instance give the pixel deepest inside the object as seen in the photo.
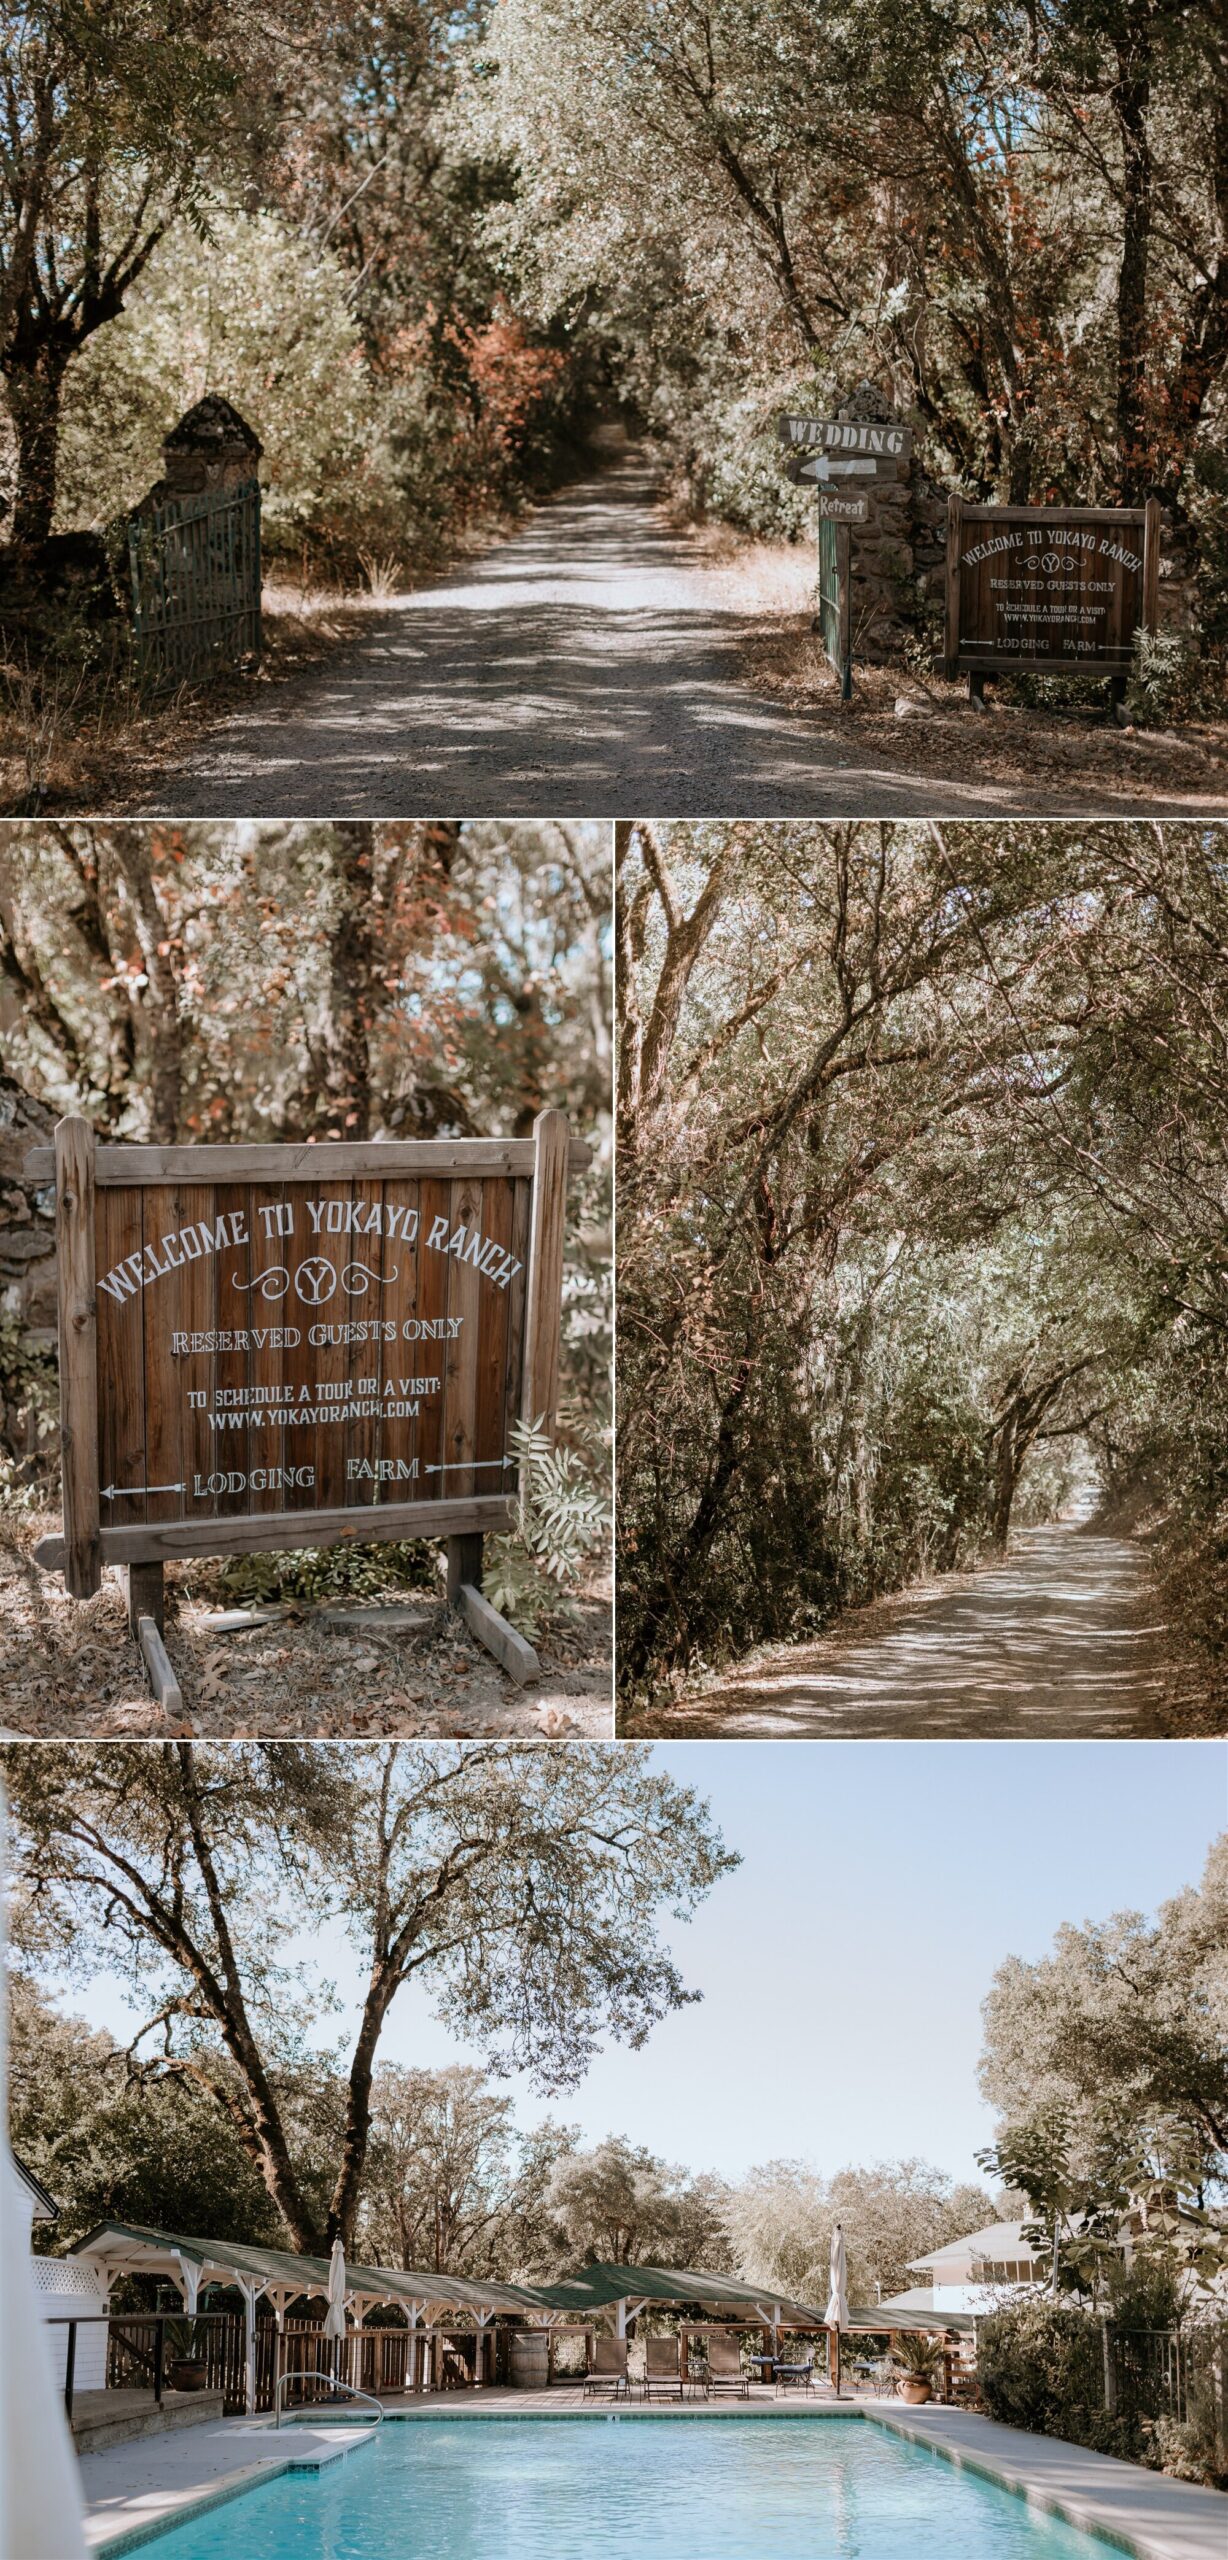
(312, 2374)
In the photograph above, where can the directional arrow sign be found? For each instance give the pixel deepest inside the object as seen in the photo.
(883, 440)
(820, 467)
(128, 1492)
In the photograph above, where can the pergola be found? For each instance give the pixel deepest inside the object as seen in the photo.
(279, 2277)
(433, 2304)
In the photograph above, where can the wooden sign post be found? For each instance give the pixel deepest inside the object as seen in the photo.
(834, 453)
(1049, 587)
(289, 1346)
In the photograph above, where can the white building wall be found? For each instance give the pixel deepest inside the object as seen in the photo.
(63, 2286)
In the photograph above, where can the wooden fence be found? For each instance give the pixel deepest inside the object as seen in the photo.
(195, 564)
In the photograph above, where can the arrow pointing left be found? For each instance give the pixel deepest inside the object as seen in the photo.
(127, 1492)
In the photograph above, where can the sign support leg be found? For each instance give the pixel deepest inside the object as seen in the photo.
(464, 1565)
(144, 1595)
(976, 689)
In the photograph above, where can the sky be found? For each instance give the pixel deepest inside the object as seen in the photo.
(843, 1965)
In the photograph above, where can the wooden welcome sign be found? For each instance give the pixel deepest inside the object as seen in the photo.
(284, 1346)
(1050, 586)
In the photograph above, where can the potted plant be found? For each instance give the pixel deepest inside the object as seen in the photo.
(918, 2361)
(184, 2368)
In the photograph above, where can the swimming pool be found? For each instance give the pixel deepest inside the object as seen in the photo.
(641, 2489)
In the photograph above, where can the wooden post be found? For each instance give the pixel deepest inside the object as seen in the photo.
(1151, 565)
(74, 1236)
(145, 1596)
(844, 590)
(464, 1557)
(543, 1313)
(955, 510)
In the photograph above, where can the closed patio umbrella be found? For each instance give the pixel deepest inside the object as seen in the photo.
(334, 2323)
(837, 2312)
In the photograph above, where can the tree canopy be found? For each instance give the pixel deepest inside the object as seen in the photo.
(922, 1214)
(452, 235)
(523, 1885)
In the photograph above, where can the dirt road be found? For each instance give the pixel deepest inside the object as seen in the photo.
(589, 666)
(1052, 1644)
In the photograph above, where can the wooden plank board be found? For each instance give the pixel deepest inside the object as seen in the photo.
(74, 1237)
(543, 1324)
(382, 1157)
(162, 1679)
(500, 1639)
(285, 1529)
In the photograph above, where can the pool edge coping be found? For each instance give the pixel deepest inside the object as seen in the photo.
(1070, 2509)
(218, 2493)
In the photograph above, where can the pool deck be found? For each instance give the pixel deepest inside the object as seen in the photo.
(133, 2491)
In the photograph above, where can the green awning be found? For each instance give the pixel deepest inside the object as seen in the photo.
(129, 2247)
(595, 2288)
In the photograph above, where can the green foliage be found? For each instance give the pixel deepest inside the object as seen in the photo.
(1108, 2062)
(562, 1518)
(917, 2356)
(1168, 680)
(1040, 2365)
(261, 315)
(105, 2138)
(494, 1876)
(1192, 2448)
(326, 1573)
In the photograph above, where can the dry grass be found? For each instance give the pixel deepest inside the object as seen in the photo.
(69, 1668)
(926, 724)
(79, 743)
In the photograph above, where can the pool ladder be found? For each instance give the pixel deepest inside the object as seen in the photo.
(315, 2376)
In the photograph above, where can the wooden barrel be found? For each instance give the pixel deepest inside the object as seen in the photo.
(529, 2370)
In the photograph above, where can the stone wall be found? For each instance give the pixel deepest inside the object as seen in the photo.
(27, 1270)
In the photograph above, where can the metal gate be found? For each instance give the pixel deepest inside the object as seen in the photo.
(195, 566)
(835, 618)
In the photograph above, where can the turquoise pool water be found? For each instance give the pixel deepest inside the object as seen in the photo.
(640, 2489)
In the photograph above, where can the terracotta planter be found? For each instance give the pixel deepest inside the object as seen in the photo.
(185, 2374)
(916, 2393)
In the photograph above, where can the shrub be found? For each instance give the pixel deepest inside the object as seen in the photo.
(1039, 2366)
(1168, 680)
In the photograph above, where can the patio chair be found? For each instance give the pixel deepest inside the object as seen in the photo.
(662, 2368)
(608, 2372)
(796, 2377)
(725, 2368)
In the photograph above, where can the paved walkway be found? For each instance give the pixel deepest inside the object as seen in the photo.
(589, 666)
(1051, 1644)
(132, 2488)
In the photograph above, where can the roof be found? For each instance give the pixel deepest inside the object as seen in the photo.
(880, 2318)
(281, 2270)
(997, 2240)
(594, 2288)
(45, 2207)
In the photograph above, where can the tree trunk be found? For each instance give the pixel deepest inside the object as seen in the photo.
(348, 1101)
(34, 406)
(1132, 98)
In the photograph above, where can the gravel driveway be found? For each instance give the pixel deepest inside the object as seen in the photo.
(588, 666)
(1053, 1643)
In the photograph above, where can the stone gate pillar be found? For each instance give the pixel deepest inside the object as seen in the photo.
(211, 448)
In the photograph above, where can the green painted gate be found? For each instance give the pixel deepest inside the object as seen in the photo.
(195, 564)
